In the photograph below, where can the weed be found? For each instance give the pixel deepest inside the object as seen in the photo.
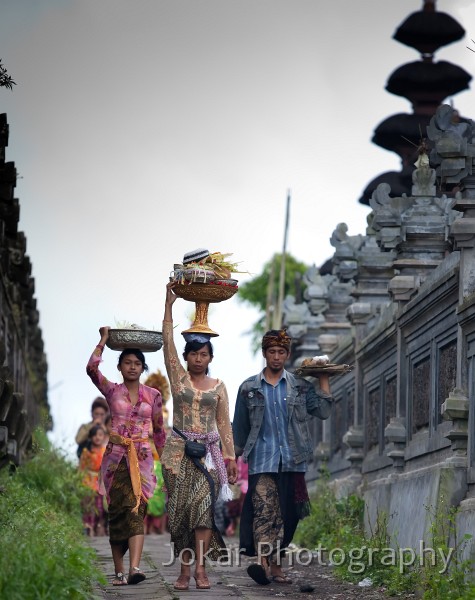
(453, 585)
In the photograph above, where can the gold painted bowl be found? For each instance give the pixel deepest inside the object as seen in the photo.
(140, 339)
(204, 292)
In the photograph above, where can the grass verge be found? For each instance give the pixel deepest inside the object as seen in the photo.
(45, 554)
(335, 529)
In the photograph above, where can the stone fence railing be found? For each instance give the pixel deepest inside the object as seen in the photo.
(400, 307)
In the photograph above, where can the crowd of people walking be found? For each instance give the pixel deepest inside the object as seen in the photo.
(207, 476)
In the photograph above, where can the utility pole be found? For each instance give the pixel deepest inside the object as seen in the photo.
(270, 300)
(277, 316)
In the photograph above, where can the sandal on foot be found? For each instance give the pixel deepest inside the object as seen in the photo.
(182, 583)
(258, 573)
(281, 579)
(135, 576)
(119, 579)
(202, 581)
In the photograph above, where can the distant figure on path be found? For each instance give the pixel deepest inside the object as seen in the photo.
(234, 506)
(90, 466)
(99, 413)
(127, 467)
(271, 433)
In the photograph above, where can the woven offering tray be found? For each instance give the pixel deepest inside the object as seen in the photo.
(140, 339)
(204, 278)
(204, 292)
(327, 369)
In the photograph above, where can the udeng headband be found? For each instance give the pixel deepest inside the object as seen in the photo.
(279, 339)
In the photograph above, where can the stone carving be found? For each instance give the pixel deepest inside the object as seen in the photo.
(345, 265)
(403, 224)
(395, 433)
(453, 150)
(295, 316)
(423, 177)
(304, 319)
(456, 409)
(316, 293)
(354, 439)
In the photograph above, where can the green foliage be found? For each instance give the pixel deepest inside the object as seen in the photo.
(331, 520)
(53, 477)
(374, 556)
(5, 79)
(40, 524)
(451, 585)
(255, 291)
(337, 523)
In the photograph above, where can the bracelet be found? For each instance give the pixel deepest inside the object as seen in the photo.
(101, 346)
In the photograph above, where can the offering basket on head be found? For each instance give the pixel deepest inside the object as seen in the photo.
(204, 282)
(129, 337)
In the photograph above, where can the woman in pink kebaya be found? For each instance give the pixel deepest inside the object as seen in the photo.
(127, 470)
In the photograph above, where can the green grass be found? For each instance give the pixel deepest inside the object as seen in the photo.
(45, 554)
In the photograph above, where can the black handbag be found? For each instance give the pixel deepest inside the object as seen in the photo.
(193, 449)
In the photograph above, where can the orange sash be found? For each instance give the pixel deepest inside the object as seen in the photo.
(134, 468)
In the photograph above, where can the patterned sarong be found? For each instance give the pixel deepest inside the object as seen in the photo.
(124, 523)
(273, 506)
(189, 507)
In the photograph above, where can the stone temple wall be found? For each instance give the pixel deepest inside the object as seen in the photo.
(23, 367)
(400, 307)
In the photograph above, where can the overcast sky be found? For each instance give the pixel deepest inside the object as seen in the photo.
(143, 129)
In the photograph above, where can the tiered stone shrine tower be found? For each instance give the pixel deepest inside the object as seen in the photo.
(426, 83)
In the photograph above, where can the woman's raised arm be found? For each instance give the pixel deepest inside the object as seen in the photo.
(173, 365)
(92, 369)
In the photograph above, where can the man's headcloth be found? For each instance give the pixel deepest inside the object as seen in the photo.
(276, 337)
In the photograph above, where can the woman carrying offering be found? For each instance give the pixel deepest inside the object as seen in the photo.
(127, 467)
(200, 412)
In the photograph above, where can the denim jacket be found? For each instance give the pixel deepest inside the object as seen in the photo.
(302, 400)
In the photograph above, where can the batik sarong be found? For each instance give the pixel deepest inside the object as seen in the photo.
(123, 523)
(273, 506)
(189, 507)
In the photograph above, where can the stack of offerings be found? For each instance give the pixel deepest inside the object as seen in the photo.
(199, 266)
(204, 277)
(320, 365)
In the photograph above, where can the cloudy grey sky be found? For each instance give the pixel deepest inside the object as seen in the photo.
(142, 129)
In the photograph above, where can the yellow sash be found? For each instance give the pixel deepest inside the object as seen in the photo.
(134, 468)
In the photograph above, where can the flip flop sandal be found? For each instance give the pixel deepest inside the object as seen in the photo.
(258, 574)
(120, 578)
(202, 581)
(182, 583)
(136, 577)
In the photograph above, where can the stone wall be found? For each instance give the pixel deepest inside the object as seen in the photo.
(400, 307)
(23, 385)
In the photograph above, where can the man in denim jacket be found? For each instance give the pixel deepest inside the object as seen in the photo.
(270, 429)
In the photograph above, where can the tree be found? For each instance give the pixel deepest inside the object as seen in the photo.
(5, 79)
(261, 292)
